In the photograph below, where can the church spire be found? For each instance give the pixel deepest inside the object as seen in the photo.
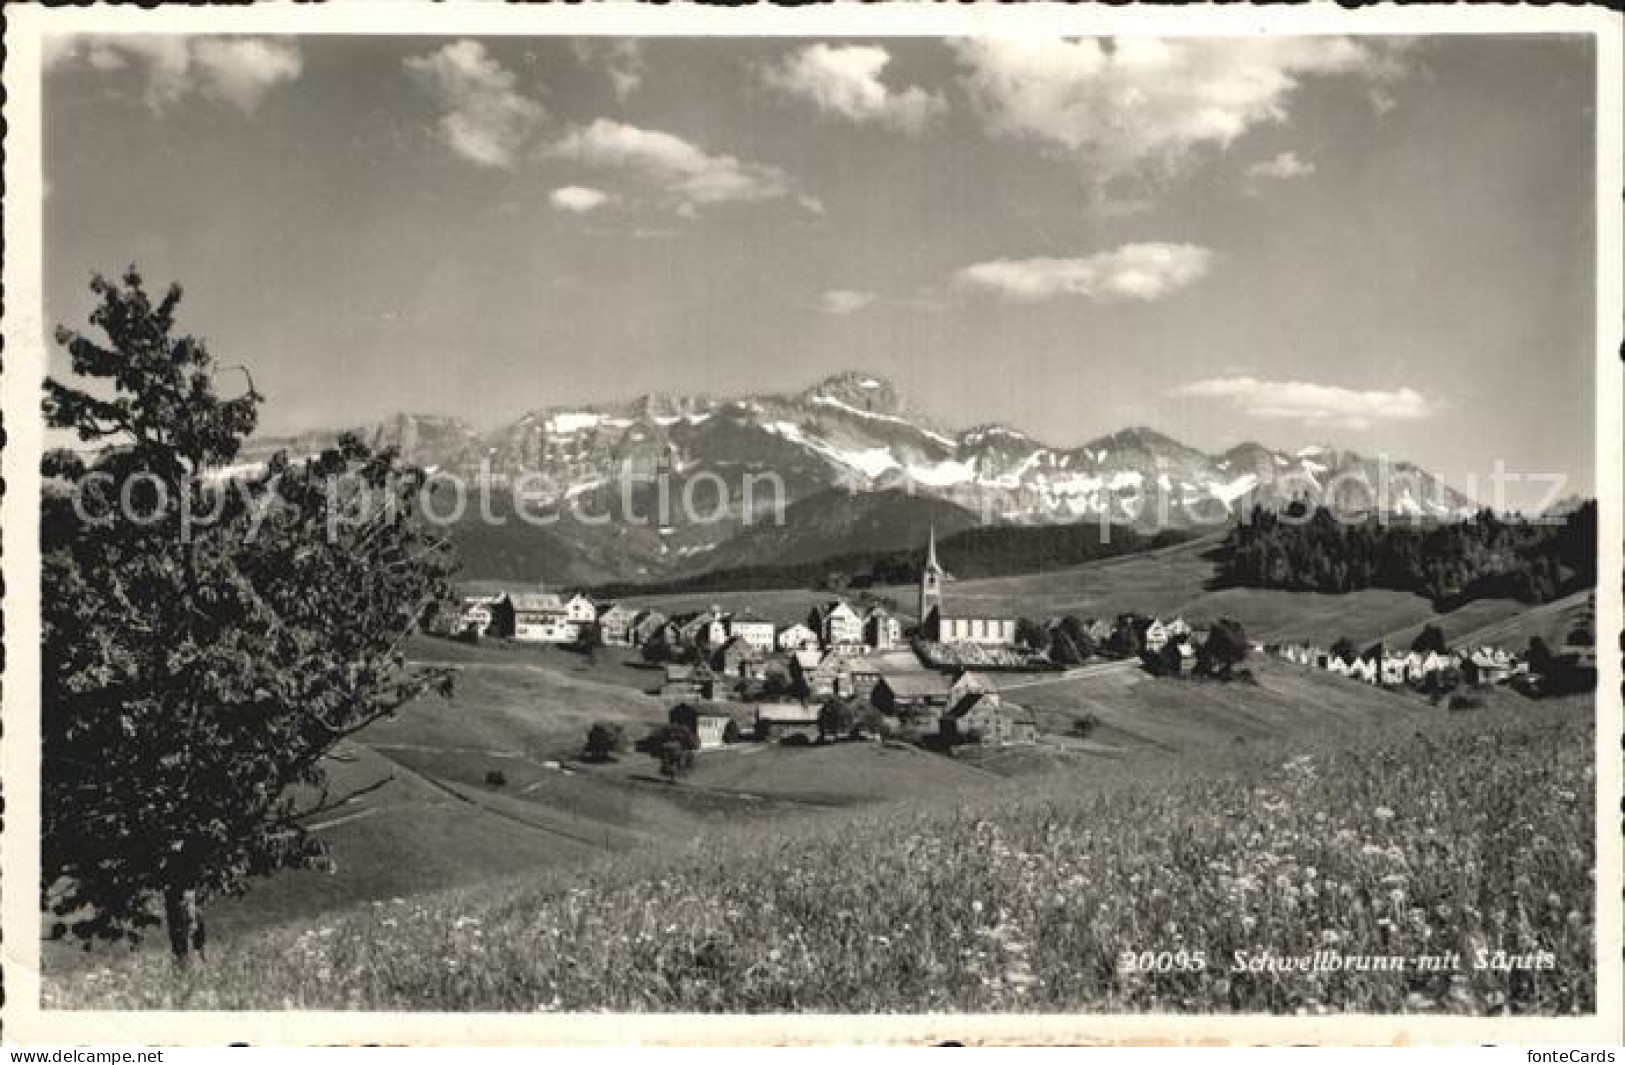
(930, 588)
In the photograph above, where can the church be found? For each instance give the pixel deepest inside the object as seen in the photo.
(939, 623)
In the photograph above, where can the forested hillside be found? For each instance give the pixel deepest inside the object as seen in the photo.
(1449, 562)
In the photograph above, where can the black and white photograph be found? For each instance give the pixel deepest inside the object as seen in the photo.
(600, 516)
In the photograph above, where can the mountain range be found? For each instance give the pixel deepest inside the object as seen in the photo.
(848, 465)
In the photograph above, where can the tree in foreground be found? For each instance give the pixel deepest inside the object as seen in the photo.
(207, 641)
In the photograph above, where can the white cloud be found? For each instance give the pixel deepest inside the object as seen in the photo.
(487, 120)
(620, 57)
(243, 69)
(846, 81)
(1133, 271)
(578, 200)
(1142, 105)
(689, 175)
(842, 301)
(239, 70)
(1282, 167)
(1311, 403)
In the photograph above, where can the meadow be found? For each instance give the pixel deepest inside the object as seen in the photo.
(1445, 834)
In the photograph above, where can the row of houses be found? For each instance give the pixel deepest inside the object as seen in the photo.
(546, 617)
(964, 709)
(1417, 669)
(534, 617)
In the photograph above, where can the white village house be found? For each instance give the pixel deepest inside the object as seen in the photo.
(881, 629)
(481, 612)
(540, 617)
(754, 630)
(839, 625)
(796, 637)
(581, 610)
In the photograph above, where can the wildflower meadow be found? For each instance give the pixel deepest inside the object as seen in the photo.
(1447, 868)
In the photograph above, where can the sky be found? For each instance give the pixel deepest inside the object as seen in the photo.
(1385, 244)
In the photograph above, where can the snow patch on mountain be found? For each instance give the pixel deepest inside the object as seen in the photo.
(941, 474)
(871, 461)
(847, 408)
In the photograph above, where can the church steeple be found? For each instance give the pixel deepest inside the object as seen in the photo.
(930, 587)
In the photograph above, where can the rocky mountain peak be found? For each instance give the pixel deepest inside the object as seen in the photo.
(858, 389)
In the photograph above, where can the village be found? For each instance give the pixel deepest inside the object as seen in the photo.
(1431, 667)
(862, 669)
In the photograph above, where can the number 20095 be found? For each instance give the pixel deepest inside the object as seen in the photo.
(1162, 961)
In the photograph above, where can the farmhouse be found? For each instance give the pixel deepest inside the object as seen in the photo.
(755, 631)
(1149, 633)
(705, 630)
(838, 624)
(442, 619)
(776, 719)
(714, 724)
(987, 719)
(939, 623)
(1486, 666)
(489, 615)
(581, 610)
(881, 630)
(864, 676)
(820, 675)
(615, 623)
(647, 624)
(684, 681)
(908, 694)
(738, 658)
(712, 729)
(1419, 666)
(540, 617)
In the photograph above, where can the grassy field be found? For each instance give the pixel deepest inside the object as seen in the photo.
(840, 774)
(1196, 721)
(1467, 833)
(1552, 622)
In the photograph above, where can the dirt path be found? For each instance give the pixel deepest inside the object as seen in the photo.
(1098, 669)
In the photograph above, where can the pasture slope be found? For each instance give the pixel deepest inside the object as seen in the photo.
(1062, 892)
(482, 788)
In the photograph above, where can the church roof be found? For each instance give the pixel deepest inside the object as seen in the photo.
(965, 614)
